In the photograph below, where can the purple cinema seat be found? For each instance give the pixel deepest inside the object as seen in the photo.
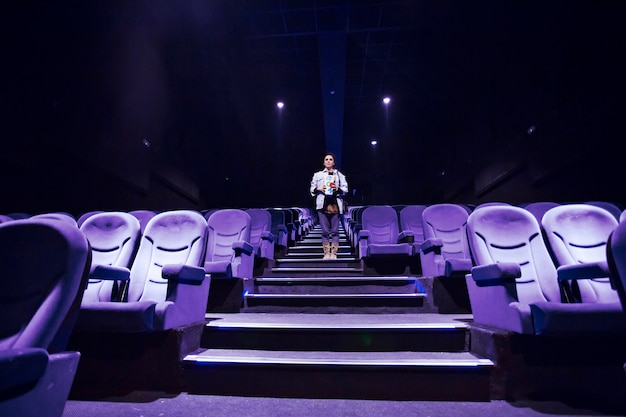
(44, 264)
(144, 216)
(380, 234)
(18, 215)
(207, 213)
(261, 236)
(303, 223)
(279, 229)
(514, 285)
(308, 218)
(445, 250)
(66, 217)
(612, 208)
(114, 237)
(298, 222)
(490, 204)
(81, 219)
(4, 218)
(539, 208)
(167, 284)
(292, 226)
(347, 218)
(354, 224)
(411, 219)
(229, 253)
(616, 260)
(577, 234)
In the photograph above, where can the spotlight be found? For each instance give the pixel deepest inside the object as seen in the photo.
(386, 100)
(374, 142)
(280, 104)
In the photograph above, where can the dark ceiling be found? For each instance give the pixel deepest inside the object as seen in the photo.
(193, 85)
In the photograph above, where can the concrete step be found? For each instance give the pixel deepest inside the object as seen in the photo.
(399, 357)
(346, 375)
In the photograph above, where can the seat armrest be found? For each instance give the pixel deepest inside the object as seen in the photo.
(361, 242)
(185, 274)
(242, 247)
(495, 274)
(431, 245)
(267, 235)
(109, 272)
(406, 236)
(22, 366)
(363, 234)
(583, 271)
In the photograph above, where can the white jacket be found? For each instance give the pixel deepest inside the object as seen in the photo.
(319, 179)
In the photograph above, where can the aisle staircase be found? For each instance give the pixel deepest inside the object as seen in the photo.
(301, 281)
(319, 328)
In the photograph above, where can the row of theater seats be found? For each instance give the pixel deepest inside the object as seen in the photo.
(288, 225)
(537, 269)
(109, 271)
(433, 232)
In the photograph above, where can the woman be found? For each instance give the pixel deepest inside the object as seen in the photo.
(328, 186)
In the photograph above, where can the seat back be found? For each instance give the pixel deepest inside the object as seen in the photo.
(44, 265)
(612, 208)
(411, 219)
(447, 222)
(113, 237)
(490, 204)
(144, 216)
(539, 208)
(511, 234)
(225, 227)
(19, 215)
(170, 237)
(279, 227)
(81, 219)
(260, 224)
(382, 223)
(616, 259)
(65, 217)
(578, 233)
(4, 218)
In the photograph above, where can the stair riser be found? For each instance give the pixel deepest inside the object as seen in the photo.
(341, 340)
(314, 263)
(352, 382)
(339, 288)
(315, 272)
(343, 305)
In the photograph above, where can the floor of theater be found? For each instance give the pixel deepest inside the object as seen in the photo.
(146, 404)
(149, 404)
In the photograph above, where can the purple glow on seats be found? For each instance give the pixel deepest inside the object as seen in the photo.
(173, 241)
(531, 303)
(49, 259)
(577, 234)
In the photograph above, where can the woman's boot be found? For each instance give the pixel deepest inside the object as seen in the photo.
(334, 248)
(326, 246)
